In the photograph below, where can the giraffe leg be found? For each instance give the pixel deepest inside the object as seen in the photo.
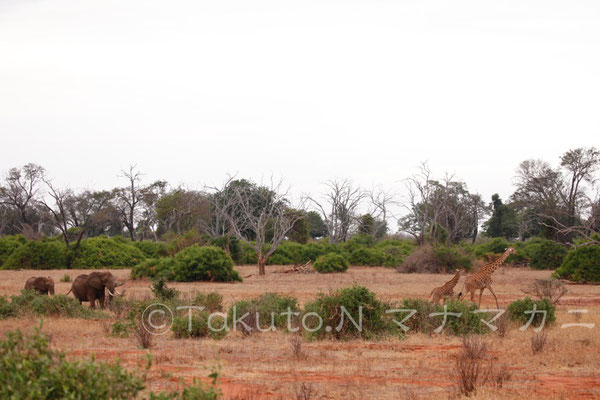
(493, 294)
(473, 296)
(480, 294)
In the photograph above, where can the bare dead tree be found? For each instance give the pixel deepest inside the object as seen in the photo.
(60, 216)
(418, 204)
(381, 202)
(128, 199)
(20, 192)
(258, 215)
(339, 208)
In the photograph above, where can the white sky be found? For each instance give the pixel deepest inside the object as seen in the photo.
(307, 90)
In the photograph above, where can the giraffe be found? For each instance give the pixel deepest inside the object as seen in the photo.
(482, 279)
(446, 290)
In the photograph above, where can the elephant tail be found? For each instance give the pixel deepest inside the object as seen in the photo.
(70, 290)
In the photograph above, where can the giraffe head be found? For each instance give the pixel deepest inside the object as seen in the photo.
(510, 250)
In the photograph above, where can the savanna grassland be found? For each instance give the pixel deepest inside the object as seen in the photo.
(271, 366)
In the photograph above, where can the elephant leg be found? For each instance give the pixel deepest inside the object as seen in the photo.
(101, 299)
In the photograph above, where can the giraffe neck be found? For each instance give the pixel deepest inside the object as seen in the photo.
(454, 280)
(491, 267)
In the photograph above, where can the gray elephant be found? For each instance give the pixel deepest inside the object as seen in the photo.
(41, 284)
(91, 287)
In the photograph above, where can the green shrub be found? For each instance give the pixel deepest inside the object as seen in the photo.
(31, 370)
(209, 263)
(288, 253)
(394, 251)
(211, 302)
(199, 326)
(439, 259)
(161, 291)
(7, 309)
(105, 252)
(122, 329)
(176, 243)
(155, 268)
(313, 250)
(581, 265)
(496, 245)
(30, 302)
(545, 254)
(331, 263)
(248, 254)
(65, 278)
(231, 245)
(152, 249)
(38, 254)
(267, 309)
(375, 322)
(356, 242)
(516, 311)
(420, 321)
(468, 322)
(366, 257)
(8, 244)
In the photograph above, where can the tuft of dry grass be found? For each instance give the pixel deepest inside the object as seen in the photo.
(538, 342)
(296, 347)
(470, 363)
(142, 335)
(304, 391)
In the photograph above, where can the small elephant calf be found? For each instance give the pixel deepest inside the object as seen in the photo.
(41, 284)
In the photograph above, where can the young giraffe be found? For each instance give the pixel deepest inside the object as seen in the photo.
(446, 290)
(482, 279)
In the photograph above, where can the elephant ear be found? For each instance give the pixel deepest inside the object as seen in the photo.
(95, 282)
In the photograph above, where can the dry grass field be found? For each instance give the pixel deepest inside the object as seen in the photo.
(263, 366)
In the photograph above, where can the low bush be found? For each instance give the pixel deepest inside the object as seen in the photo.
(581, 265)
(30, 302)
(38, 254)
(65, 278)
(439, 259)
(420, 321)
(545, 254)
(394, 251)
(152, 249)
(7, 309)
(194, 263)
(211, 302)
(313, 250)
(496, 245)
(31, 370)
(366, 257)
(105, 252)
(8, 244)
(467, 323)
(517, 311)
(337, 324)
(264, 312)
(162, 292)
(209, 263)
(197, 326)
(155, 268)
(176, 243)
(288, 253)
(331, 263)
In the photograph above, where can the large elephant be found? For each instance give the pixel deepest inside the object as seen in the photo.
(41, 284)
(91, 287)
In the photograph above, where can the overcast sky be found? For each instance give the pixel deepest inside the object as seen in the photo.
(307, 90)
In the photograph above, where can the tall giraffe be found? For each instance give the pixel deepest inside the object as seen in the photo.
(482, 279)
(446, 290)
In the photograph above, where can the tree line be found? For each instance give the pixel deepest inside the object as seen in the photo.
(559, 203)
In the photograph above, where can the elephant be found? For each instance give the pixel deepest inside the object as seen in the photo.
(91, 287)
(41, 284)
